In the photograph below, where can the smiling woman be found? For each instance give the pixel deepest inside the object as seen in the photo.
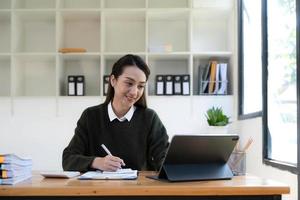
(132, 132)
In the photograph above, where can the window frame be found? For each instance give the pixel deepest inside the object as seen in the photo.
(241, 114)
(266, 142)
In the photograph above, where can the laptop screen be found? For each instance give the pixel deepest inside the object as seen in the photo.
(197, 149)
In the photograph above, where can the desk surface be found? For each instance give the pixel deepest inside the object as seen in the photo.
(239, 185)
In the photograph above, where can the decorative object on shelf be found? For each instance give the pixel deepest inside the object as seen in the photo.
(72, 50)
(217, 120)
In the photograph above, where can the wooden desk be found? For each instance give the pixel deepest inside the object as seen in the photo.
(239, 188)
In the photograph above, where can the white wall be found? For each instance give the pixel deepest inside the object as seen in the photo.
(35, 129)
(253, 128)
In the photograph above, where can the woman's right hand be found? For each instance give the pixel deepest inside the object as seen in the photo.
(107, 163)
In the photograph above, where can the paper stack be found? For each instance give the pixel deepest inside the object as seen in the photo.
(126, 173)
(14, 169)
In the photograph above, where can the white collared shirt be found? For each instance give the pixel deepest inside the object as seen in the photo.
(112, 115)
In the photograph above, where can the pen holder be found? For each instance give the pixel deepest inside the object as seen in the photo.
(237, 163)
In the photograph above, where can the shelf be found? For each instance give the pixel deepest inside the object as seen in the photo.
(34, 31)
(34, 75)
(211, 32)
(80, 4)
(5, 74)
(34, 4)
(124, 31)
(206, 54)
(225, 4)
(166, 66)
(168, 3)
(124, 3)
(86, 65)
(172, 36)
(5, 32)
(80, 29)
(174, 24)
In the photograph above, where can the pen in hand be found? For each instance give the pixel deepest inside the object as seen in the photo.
(109, 153)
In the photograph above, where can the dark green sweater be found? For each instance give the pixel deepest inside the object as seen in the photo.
(141, 143)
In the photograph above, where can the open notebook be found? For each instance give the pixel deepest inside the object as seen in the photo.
(125, 173)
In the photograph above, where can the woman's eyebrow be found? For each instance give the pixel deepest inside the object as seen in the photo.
(131, 79)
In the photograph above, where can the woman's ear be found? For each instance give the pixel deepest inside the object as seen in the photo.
(112, 80)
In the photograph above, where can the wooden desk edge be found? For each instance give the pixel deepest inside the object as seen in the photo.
(238, 186)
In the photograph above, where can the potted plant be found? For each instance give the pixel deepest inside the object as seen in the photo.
(217, 120)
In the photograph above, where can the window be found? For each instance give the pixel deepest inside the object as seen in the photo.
(250, 59)
(280, 83)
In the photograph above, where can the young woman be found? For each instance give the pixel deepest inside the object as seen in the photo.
(133, 133)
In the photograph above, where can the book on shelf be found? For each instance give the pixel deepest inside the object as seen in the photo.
(125, 173)
(217, 79)
(204, 78)
(223, 79)
(212, 77)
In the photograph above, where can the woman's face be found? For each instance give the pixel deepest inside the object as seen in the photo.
(129, 86)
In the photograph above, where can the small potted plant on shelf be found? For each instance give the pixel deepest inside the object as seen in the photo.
(217, 120)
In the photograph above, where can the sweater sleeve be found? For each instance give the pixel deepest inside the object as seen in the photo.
(157, 143)
(74, 158)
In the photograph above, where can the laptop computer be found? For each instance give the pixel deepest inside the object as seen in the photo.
(198, 157)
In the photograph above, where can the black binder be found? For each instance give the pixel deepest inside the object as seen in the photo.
(105, 84)
(198, 157)
(80, 86)
(160, 85)
(186, 84)
(177, 85)
(169, 85)
(71, 85)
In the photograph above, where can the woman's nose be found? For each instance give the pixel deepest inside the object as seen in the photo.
(133, 91)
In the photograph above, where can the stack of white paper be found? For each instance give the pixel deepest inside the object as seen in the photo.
(119, 174)
(14, 169)
(60, 174)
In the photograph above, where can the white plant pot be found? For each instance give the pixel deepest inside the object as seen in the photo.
(218, 129)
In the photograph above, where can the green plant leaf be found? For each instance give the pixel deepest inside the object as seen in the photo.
(216, 117)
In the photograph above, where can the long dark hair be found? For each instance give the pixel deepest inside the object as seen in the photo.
(117, 70)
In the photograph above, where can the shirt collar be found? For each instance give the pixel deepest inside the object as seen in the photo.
(112, 115)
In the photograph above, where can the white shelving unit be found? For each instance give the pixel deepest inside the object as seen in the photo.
(172, 36)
